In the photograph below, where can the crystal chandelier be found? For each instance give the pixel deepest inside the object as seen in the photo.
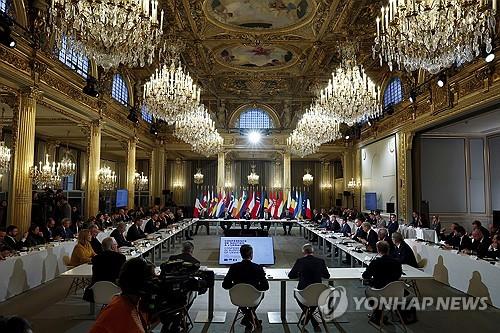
(253, 178)
(106, 179)
(170, 91)
(317, 126)
(307, 179)
(351, 96)
(141, 181)
(111, 31)
(198, 129)
(45, 175)
(353, 184)
(66, 167)
(434, 34)
(198, 177)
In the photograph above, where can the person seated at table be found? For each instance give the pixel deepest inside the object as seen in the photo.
(383, 235)
(187, 254)
(94, 242)
(371, 218)
(152, 225)
(247, 272)
(480, 244)
(380, 222)
(10, 238)
(436, 225)
(179, 216)
(371, 237)
(335, 225)
(461, 241)
(266, 225)
(64, 231)
(5, 251)
(34, 237)
(225, 224)
(402, 252)
(48, 230)
(380, 272)
(345, 228)
(317, 216)
(360, 232)
(246, 220)
(203, 222)
(393, 225)
(135, 231)
(477, 225)
(288, 225)
(416, 220)
(107, 264)
(325, 222)
(82, 252)
(124, 314)
(494, 249)
(308, 269)
(117, 234)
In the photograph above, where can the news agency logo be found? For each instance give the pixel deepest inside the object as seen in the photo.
(333, 303)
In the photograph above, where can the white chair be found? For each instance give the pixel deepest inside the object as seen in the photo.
(103, 292)
(309, 297)
(245, 296)
(393, 290)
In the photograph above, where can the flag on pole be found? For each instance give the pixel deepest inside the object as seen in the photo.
(293, 203)
(255, 210)
(264, 204)
(282, 203)
(197, 208)
(221, 204)
(241, 203)
(298, 208)
(272, 204)
(250, 203)
(308, 210)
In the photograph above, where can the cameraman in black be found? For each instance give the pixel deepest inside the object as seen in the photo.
(187, 254)
(124, 314)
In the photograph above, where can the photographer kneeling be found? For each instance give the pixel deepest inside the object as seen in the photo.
(123, 314)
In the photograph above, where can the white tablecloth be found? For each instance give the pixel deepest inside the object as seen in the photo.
(465, 273)
(428, 235)
(21, 273)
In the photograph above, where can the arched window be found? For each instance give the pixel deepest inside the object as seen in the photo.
(254, 118)
(146, 115)
(393, 92)
(73, 59)
(3, 5)
(119, 89)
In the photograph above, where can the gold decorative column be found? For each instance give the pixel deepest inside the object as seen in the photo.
(404, 142)
(221, 171)
(158, 160)
(94, 164)
(131, 149)
(287, 181)
(23, 135)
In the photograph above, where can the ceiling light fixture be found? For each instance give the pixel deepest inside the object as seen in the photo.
(441, 80)
(254, 137)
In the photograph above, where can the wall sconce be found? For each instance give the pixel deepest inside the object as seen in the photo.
(228, 185)
(353, 184)
(326, 186)
(178, 185)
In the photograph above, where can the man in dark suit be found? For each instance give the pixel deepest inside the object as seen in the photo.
(266, 225)
(248, 272)
(64, 231)
(187, 254)
(117, 234)
(345, 228)
(107, 264)
(494, 249)
(246, 220)
(461, 241)
(10, 238)
(402, 251)
(380, 272)
(383, 235)
(480, 244)
(94, 242)
(152, 225)
(477, 225)
(393, 225)
(308, 270)
(371, 237)
(48, 230)
(135, 232)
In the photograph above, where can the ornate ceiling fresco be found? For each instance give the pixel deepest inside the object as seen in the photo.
(276, 52)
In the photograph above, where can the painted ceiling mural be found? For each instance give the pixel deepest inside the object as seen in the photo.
(255, 57)
(259, 14)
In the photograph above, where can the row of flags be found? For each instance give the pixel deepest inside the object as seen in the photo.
(293, 204)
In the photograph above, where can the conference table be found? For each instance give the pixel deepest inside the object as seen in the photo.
(466, 273)
(31, 268)
(236, 222)
(337, 275)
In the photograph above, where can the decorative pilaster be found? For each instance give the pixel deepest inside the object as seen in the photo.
(23, 136)
(221, 171)
(94, 164)
(131, 149)
(404, 145)
(158, 160)
(287, 181)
